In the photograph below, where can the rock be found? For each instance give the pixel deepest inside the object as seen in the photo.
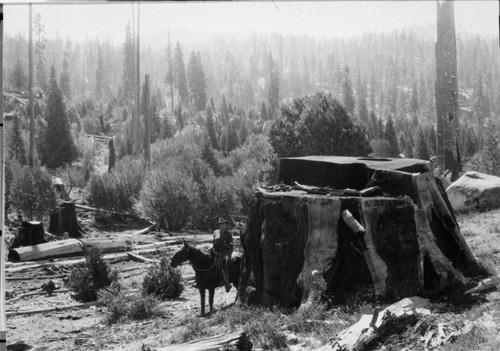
(474, 190)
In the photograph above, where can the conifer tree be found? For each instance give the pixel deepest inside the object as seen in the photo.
(128, 76)
(211, 128)
(168, 128)
(362, 107)
(112, 155)
(232, 138)
(348, 93)
(40, 44)
(273, 86)
(390, 136)
(263, 111)
(64, 80)
(99, 76)
(180, 117)
(432, 140)
(471, 146)
(224, 109)
(58, 148)
(422, 151)
(16, 143)
(180, 75)
(490, 156)
(18, 79)
(209, 157)
(197, 82)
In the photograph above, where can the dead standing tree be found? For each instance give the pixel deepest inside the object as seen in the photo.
(446, 90)
(301, 243)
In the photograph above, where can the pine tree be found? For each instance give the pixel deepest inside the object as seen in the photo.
(180, 75)
(490, 155)
(18, 79)
(40, 44)
(432, 140)
(263, 111)
(197, 83)
(99, 76)
(58, 147)
(422, 151)
(211, 128)
(390, 136)
(128, 75)
(414, 104)
(168, 128)
(471, 145)
(112, 155)
(348, 93)
(64, 80)
(392, 99)
(243, 134)
(273, 86)
(232, 138)
(209, 157)
(180, 117)
(362, 107)
(16, 143)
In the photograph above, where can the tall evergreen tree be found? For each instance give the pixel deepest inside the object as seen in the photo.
(99, 76)
(128, 75)
(432, 140)
(64, 80)
(211, 128)
(362, 107)
(263, 111)
(16, 143)
(197, 82)
(112, 155)
(40, 45)
(390, 136)
(180, 74)
(348, 93)
(490, 156)
(273, 86)
(58, 148)
(18, 79)
(232, 138)
(422, 151)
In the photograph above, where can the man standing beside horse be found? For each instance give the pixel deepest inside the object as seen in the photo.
(222, 249)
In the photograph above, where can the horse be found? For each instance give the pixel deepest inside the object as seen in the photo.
(207, 273)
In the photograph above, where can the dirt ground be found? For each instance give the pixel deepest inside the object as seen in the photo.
(85, 329)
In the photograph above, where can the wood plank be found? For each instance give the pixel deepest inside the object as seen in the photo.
(233, 341)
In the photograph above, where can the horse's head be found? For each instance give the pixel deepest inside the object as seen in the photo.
(181, 256)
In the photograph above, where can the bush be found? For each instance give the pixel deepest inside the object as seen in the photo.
(86, 281)
(117, 191)
(122, 306)
(31, 192)
(169, 196)
(218, 199)
(163, 281)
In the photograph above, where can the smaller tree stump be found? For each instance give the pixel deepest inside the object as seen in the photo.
(29, 233)
(64, 219)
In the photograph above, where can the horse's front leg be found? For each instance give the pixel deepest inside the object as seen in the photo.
(211, 299)
(202, 298)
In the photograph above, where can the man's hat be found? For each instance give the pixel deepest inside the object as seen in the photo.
(222, 220)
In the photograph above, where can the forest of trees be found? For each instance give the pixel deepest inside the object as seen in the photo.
(376, 89)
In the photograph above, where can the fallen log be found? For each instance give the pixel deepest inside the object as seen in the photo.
(52, 309)
(229, 342)
(370, 327)
(145, 230)
(107, 245)
(485, 285)
(19, 297)
(140, 258)
(69, 247)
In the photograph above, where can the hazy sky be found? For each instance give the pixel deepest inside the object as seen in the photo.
(325, 18)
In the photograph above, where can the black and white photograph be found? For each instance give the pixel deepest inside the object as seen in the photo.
(250, 175)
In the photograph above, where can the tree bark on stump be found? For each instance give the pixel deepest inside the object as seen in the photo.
(30, 233)
(413, 238)
(64, 219)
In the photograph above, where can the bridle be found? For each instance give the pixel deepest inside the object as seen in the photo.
(194, 266)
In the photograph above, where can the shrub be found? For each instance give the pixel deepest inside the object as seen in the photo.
(122, 306)
(218, 199)
(169, 196)
(86, 281)
(117, 191)
(162, 280)
(31, 192)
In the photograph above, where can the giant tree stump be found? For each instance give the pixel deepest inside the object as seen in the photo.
(64, 219)
(295, 237)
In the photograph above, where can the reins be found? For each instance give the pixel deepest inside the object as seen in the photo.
(199, 269)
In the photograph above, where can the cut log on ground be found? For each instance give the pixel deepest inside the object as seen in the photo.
(237, 341)
(405, 242)
(69, 247)
(64, 220)
(52, 309)
(140, 258)
(393, 319)
(106, 245)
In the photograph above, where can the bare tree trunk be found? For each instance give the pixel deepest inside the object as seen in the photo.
(31, 97)
(147, 122)
(171, 78)
(447, 89)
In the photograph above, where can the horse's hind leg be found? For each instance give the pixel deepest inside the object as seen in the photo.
(211, 299)
(202, 302)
